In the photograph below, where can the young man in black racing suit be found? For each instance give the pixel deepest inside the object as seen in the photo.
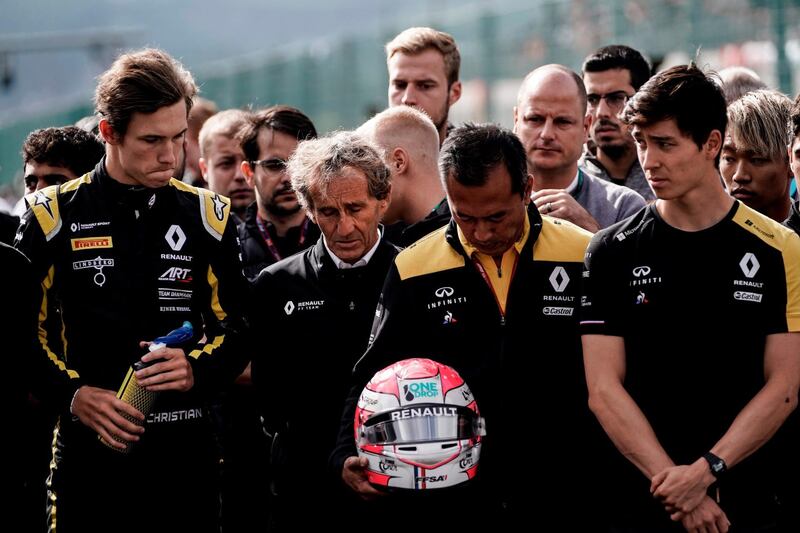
(129, 253)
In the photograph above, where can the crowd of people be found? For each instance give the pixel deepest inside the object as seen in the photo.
(617, 278)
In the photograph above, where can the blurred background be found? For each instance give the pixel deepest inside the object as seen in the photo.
(327, 58)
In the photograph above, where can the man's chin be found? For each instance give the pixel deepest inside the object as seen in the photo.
(492, 250)
(349, 255)
(283, 209)
(614, 150)
(240, 204)
(156, 182)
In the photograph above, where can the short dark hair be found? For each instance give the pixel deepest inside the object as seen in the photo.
(282, 118)
(683, 93)
(472, 150)
(619, 56)
(69, 147)
(142, 82)
(794, 118)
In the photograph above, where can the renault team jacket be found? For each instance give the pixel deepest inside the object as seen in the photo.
(129, 264)
(523, 366)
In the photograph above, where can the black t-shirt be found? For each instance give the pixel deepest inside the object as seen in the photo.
(694, 309)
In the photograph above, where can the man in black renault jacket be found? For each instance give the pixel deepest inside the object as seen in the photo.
(318, 306)
(493, 295)
(129, 254)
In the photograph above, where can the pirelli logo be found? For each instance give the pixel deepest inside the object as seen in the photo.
(88, 243)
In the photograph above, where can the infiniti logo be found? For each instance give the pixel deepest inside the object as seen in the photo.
(641, 271)
(441, 292)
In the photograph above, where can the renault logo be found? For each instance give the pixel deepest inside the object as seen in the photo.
(749, 265)
(175, 237)
(441, 292)
(641, 271)
(559, 279)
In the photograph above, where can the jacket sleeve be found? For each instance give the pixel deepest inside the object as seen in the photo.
(19, 327)
(51, 379)
(222, 355)
(268, 358)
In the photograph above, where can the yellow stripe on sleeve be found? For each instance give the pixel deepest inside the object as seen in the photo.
(47, 284)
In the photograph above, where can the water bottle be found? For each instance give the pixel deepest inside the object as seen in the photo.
(140, 398)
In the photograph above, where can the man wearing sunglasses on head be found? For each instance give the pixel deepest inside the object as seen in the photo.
(274, 226)
(612, 74)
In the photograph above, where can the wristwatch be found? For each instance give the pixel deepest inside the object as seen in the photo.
(716, 464)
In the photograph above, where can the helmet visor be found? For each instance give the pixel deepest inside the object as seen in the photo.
(422, 423)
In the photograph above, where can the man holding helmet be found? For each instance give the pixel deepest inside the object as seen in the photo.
(492, 295)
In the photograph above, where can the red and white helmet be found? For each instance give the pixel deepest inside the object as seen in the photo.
(419, 426)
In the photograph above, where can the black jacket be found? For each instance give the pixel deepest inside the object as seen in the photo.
(318, 320)
(129, 264)
(255, 254)
(524, 367)
(404, 235)
(8, 228)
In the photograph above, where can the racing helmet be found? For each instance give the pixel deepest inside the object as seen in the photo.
(419, 426)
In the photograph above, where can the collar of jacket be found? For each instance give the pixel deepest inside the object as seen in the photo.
(324, 265)
(249, 218)
(132, 196)
(451, 234)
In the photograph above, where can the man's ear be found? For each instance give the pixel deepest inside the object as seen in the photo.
(388, 198)
(249, 175)
(203, 168)
(587, 126)
(454, 93)
(516, 119)
(400, 161)
(713, 144)
(528, 192)
(107, 132)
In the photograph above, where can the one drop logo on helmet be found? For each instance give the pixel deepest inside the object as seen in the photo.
(420, 390)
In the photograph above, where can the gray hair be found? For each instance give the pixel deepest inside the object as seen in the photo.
(738, 81)
(317, 162)
(758, 122)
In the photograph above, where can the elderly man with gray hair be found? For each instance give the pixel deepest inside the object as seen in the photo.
(319, 305)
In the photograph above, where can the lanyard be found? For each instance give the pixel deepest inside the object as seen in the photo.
(262, 228)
